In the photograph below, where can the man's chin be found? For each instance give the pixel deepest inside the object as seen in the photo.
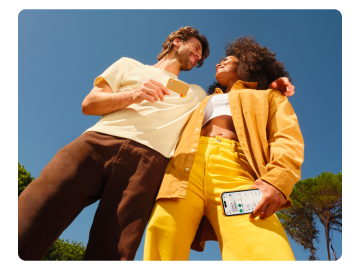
(186, 68)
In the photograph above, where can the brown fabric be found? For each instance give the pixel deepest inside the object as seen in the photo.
(205, 232)
(123, 174)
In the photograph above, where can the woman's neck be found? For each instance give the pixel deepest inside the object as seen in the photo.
(230, 84)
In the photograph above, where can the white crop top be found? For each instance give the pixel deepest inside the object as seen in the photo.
(216, 106)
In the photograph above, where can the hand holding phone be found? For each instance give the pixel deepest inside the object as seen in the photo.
(272, 200)
(240, 202)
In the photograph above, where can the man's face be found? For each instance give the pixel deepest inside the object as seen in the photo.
(189, 53)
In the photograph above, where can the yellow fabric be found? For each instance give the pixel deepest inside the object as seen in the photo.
(267, 129)
(157, 125)
(270, 136)
(219, 166)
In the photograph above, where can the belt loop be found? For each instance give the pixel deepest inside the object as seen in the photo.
(233, 146)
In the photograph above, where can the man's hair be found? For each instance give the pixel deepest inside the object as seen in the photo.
(256, 63)
(184, 33)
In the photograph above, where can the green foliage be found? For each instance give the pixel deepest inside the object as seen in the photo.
(64, 251)
(314, 198)
(61, 250)
(299, 222)
(24, 178)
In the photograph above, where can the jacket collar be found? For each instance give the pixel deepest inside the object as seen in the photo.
(239, 85)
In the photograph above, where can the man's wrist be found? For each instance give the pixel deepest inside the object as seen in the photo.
(130, 96)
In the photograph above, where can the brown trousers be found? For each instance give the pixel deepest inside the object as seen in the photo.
(123, 174)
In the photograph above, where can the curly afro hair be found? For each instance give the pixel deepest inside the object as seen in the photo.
(256, 63)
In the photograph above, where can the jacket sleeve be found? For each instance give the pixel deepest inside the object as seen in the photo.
(286, 144)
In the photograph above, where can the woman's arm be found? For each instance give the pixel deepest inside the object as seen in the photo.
(286, 156)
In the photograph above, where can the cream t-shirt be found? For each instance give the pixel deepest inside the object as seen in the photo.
(157, 125)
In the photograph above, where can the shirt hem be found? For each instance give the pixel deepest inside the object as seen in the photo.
(130, 138)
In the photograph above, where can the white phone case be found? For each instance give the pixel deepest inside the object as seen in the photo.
(240, 202)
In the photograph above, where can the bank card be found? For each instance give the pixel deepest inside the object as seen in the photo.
(178, 87)
(240, 202)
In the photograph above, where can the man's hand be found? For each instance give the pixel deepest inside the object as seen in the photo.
(272, 199)
(102, 100)
(283, 85)
(150, 90)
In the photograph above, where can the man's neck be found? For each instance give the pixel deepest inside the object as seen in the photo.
(169, 64)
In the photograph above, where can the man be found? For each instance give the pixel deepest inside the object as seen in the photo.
(120, 160)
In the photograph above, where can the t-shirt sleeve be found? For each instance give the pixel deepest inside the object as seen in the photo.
(114, 74)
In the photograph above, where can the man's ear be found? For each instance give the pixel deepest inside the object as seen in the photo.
(177, 42)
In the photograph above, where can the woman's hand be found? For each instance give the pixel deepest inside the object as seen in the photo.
(283, 85)
(272, 200)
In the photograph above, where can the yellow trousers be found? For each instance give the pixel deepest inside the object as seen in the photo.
(220, 165)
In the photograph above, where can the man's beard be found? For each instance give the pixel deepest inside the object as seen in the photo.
(183, 58)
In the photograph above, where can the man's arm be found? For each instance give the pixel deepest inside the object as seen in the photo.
(283, 85)
(102, 100)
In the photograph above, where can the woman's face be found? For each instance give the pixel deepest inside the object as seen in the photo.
(227, 69)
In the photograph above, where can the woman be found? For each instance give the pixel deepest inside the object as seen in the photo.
(239, 140)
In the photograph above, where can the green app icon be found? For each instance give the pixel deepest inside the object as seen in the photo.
(240, 210)
(239, 205)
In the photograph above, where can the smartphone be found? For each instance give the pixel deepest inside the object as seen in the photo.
(178, 87)
(240, 202)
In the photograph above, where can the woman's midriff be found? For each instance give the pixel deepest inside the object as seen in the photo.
(220, 126)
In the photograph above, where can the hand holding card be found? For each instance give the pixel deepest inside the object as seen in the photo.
(178, 87)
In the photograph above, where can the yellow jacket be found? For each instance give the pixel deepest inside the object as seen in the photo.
(269, 134)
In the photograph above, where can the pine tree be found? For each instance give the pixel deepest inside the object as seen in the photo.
(318, 198)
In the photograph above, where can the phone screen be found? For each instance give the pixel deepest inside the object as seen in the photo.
(240, 202)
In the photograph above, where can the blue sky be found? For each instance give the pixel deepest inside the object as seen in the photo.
(60, 52)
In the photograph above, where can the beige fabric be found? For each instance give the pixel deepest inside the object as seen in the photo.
(157, 125)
